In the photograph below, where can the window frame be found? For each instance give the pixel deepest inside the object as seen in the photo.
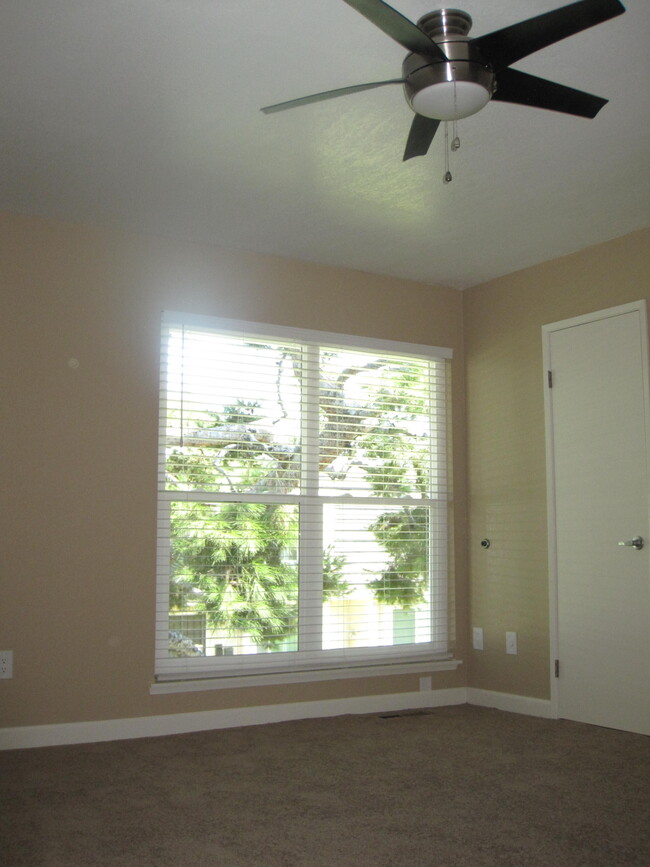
(299, 665)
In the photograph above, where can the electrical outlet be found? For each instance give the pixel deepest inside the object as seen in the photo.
(477, 638)
(511, 643)
(426, 684)
(6, 664)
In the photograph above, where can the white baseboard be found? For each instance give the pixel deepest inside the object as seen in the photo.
(23, 737)
(151, 726)
(514, 703)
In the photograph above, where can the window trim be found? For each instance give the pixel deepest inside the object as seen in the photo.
(304, 335)
(272, 668)
(164, 685)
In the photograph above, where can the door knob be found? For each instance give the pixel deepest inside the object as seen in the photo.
(637, 543)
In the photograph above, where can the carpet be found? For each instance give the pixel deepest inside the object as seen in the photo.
(449, 786)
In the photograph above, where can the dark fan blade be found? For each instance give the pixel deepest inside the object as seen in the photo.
(506, 46)
(399, 28)
(524, 89)
(327, 94)
(420, 137)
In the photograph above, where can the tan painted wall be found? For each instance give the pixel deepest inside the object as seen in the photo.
(78, 456)
(506, 445)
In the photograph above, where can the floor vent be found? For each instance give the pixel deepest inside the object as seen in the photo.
(398, 713)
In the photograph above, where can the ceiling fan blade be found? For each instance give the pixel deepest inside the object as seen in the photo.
(510, 44)
(523, 89)
(399, 28)
(420, 137)
(327, 94)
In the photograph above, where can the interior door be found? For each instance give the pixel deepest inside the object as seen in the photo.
(597, 416)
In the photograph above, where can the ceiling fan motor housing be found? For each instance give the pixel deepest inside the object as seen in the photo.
(452, 89)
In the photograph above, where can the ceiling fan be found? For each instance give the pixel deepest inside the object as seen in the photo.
(448, 76)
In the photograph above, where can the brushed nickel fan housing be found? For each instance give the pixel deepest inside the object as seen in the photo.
(452, 89)
(447, 75)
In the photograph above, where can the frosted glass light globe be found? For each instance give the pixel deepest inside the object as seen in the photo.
(449, 100)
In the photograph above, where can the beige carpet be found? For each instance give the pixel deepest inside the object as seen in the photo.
(452, 786)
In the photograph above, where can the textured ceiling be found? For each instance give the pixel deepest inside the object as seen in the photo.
(145, 114)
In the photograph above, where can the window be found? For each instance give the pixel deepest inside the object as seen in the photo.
(303, 501)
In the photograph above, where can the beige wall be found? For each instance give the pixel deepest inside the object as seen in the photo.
(506, 445)
(78, 457)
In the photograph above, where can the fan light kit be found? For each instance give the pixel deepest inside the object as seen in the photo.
(448, 76)
(448, 90)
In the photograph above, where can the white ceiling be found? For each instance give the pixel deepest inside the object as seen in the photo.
(145, 114)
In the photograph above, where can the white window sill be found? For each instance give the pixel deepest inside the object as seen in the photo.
(275, 678)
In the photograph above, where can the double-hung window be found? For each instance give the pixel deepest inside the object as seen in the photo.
(303, 501)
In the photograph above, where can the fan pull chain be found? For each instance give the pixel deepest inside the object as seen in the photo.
(447, 175)
(456, 141)
(455, 144)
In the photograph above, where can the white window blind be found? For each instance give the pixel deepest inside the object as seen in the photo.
(303, 501)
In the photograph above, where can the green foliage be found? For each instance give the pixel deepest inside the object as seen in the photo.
(233, 561)
(243, 412)
(180, 646)
(404, 535)
(394, 459)
(396, 465)
(334, 584)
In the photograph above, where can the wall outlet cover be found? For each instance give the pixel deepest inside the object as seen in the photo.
(477, 638)
(6, 664)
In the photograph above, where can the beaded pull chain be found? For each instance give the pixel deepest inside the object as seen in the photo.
(455, 144)
(456, 141)
(446, 179)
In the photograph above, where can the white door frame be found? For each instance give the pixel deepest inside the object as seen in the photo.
(547, 330)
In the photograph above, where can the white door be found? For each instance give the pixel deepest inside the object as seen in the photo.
(597, 425)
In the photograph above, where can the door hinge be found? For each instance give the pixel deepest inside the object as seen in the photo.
(557, 667)
(550, 378)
